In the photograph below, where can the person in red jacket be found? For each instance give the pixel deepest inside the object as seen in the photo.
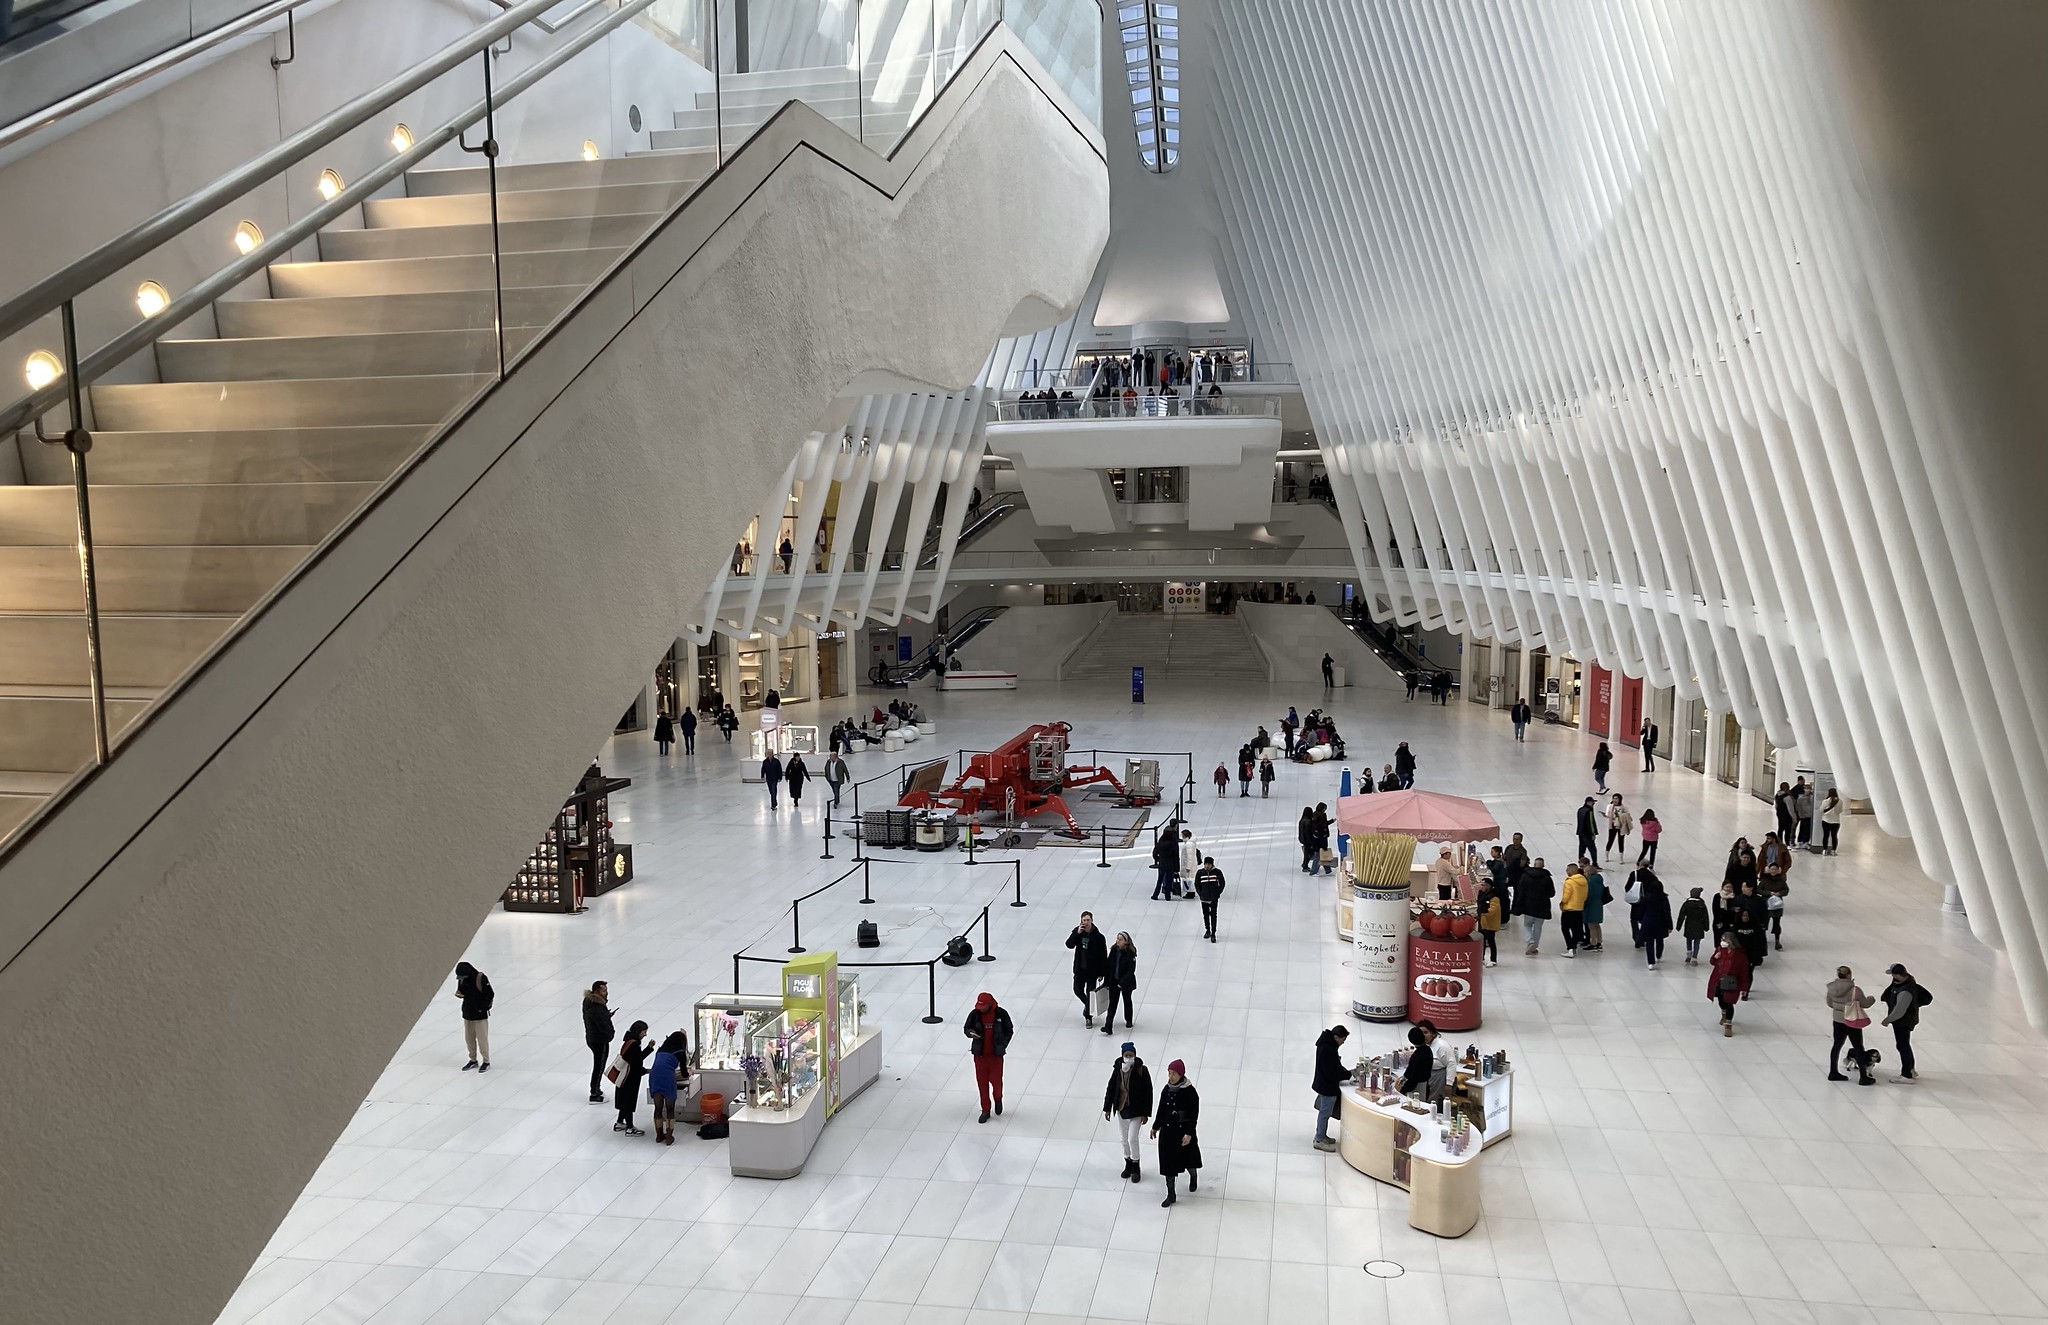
(988, 1030)
(1728, 980)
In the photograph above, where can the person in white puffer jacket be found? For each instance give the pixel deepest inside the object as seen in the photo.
(1190, 861)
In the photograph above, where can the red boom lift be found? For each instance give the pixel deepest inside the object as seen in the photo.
(1024, 776)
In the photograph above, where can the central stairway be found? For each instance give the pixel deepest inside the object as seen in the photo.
(1187, 647)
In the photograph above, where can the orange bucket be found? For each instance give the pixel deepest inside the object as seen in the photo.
(713, 1105)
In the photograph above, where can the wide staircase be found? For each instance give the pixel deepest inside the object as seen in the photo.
(211, 484)
(1184, 647)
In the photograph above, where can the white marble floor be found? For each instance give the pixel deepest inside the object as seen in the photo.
(1658, 1172)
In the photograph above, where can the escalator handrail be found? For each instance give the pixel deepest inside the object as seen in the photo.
(67, 283)
(976, 527)
(934, 653)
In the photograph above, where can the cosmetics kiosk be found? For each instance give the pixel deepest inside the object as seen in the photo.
(1430, 1151)
(786, 1064)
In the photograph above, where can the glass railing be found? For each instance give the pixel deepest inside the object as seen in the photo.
(1319, 558)
(1133, 407)
(1067, 39)
(224, 387)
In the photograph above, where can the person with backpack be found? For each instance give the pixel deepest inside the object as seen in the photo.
(473, 987)
(1728, 980)
(1850, 1008)
(1692, 924)
(988, 1030)
(1903, 999)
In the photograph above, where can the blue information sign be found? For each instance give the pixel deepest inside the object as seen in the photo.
(1137, 685)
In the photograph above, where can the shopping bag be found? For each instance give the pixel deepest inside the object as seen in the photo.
(616, 1070)
(1100, 1000)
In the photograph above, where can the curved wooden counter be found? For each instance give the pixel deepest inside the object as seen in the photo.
(1387, 1143)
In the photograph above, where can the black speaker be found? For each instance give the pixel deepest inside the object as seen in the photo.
(867, 935)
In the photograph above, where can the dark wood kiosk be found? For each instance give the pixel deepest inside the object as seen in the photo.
(577, 859)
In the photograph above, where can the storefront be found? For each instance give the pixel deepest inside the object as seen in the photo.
(832, 664)
(712, 671)
(1558, 685)
(1763, 784)
(784, 667)
(1482, 682)
(1691, 734)
(1730, 767)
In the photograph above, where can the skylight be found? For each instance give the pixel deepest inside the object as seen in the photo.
(1151, 42)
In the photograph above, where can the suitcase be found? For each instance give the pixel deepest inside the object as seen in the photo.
(867, 935)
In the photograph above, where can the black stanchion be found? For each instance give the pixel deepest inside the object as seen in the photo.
(828, 836)
(867, 898)
(986, 955)
(1103, 864)
(796, 933)
(735, 973)
(1018, 879)
(971, 835)
(931, 993)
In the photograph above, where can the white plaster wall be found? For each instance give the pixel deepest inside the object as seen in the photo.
(199, 996)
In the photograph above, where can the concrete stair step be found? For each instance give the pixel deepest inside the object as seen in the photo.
(48, 649)
(21, 793)
(384, 354)
(163, 580)
(311, 402)
(51, 732)
(285, 455)
(327, 280)
(434, 241)
(529, 205)
(527, 177)
(179, 514)
(433, 310)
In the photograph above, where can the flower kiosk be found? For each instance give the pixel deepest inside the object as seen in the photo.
(795, 1064)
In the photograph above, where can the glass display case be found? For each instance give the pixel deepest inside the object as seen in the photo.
(724, 1025)
(849, 1014)
(784, 1061)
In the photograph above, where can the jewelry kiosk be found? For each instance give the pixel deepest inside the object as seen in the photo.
(798, 1066)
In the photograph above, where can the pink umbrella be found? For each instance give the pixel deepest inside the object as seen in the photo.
(1427, 816)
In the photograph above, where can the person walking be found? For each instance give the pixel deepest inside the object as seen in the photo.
(1492, 907)
(1831, 822)
(1515, 862)
(1180, 1151)
(787, 551)
(1190, 861)
(1222, 780)
(664, 734)
(1404, 765)
(473, 987)
(1413, 679)
(1587, 824)
(1571, 908)
(1850, 1008)
(1620, 823)
(1246, 768)
(1532, 904)
(1519, 715)
(1330, 1076)
(670, 1074)
(1122, 979)
(1802, 813)
(1305, 834)
(1903, 999)
(1652, 915)
(771, 773)
(794, 776)
(1603, 759)
(1692, 925)
(597, 1034)
(1209, 888)
(1091, 963)
(1728, 980)
(1647, 739)
(1127, 1101)
(1265, 778)
(728, 723)
(1165, 862)
(1752, 919)
(687, 725)
(1774, 862)
(988, 1030)
(631, 1067)
(1652, 828)
(837, 775)
(1325, 860)
(1330, 675)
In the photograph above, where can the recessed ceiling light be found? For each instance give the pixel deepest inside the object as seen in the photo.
(589, 150)
(330, 184)
(42, 369)
(151, 298)
(247, 236)
(401, 137)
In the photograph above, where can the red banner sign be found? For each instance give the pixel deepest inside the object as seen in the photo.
(1443, 982)
(1600, 704)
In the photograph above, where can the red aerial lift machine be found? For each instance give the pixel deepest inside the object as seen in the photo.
(1022, 777)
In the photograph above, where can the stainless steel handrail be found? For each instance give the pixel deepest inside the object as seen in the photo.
(85, 98)
(43, 298)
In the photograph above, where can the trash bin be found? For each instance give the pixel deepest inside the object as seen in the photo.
(713, 1105)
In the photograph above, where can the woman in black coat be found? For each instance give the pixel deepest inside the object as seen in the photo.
(1123, 979)
(637, 1048)
(1305, 833)
(1173, 1126)
(1323, 837)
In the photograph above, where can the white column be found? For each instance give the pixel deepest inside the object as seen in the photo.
(771, 670)
(1952, 898)
(1523, 671)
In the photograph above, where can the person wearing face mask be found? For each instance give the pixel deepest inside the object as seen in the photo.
(1728, 980)
(1127, 1101)
(1180, 1108)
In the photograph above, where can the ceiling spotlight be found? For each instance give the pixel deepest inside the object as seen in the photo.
(330, 184)
(42, 369)
(151, 298)
(589, 150)
(247, 236)
(401, 138)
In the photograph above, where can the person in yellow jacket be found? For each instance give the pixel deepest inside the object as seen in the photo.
(1571, 909)
(1492, 912)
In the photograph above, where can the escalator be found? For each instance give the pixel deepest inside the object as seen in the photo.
(991, 515)
(376, 572)
(933, 657)
(1387, 644)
